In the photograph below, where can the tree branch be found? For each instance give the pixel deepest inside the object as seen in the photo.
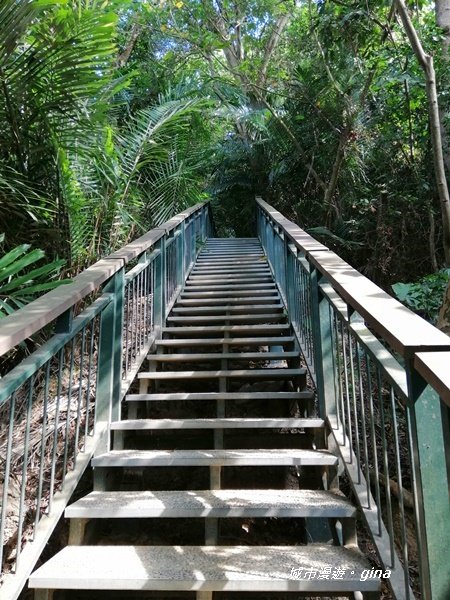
(273, 42)
(124, 56)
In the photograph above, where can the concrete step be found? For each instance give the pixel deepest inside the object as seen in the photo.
(218, 423)
(220, 458)
(241, 294)
(239, 271)
(224, 300)
(227, 396)
(212, 503)
(243, 341)
(224, 261)
(235, 288)
(226, 308)
(247, 318)
(205, 568)
(225, 274)
(212, 330)
(199, 280)
(182, 357)
(254, 255)
(227, 373)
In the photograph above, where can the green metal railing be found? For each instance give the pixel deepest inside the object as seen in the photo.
(57, 404)
(383, 385)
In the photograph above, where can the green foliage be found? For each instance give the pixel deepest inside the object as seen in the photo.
(21, 281)
(424, 296)
(104, 133)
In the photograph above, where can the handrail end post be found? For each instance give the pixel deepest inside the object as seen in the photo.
(159, 285)
(109, 369)
(428, 424)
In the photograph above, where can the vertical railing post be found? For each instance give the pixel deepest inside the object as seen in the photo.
(426, 422)
(203, 217)
(159, 287)
(109, 367)
(282, 244)
(180, 255)
(323, 347)
(291, 293)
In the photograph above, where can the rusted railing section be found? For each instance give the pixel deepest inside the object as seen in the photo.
(382, 376)
(56, 405)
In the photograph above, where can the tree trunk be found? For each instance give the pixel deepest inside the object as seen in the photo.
(123, 57)
(426, 62)
(442, 11)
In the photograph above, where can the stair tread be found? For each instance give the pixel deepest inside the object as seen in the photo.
(225, 301)
(219, 396)
(268, 341)
(221, 280)
(188, 357)
(278, 457)
(241, 276)
(231, 568)
(266, 373)
(209, 269)
(211, 503)
(263, 328)
(228, 286)
(262, 318)
(230, 268)
(224, 422)
(226, 307)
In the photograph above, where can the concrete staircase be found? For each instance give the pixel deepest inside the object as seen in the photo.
(221, 441)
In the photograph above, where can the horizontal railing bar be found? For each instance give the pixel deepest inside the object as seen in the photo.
(171, 240)
(388, 399)
(304, 263)
(175, 221)
(301, 239)
(30, 365)
(134, 272)
(403, 330)
(136, 248)
(22, 324)
(25, 322)
(391, 368)
(335, 300)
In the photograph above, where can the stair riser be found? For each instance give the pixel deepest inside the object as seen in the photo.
(235, 330)
(262, 318)
(233, 356)
(166, 424)
(257, 341)
(285, 374)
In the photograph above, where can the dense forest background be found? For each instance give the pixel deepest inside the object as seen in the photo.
(116, 114)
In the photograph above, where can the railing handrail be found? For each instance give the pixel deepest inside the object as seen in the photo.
(58, 403)
(386, 415)
(23, 323)
(405, 331)
(303, 241)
